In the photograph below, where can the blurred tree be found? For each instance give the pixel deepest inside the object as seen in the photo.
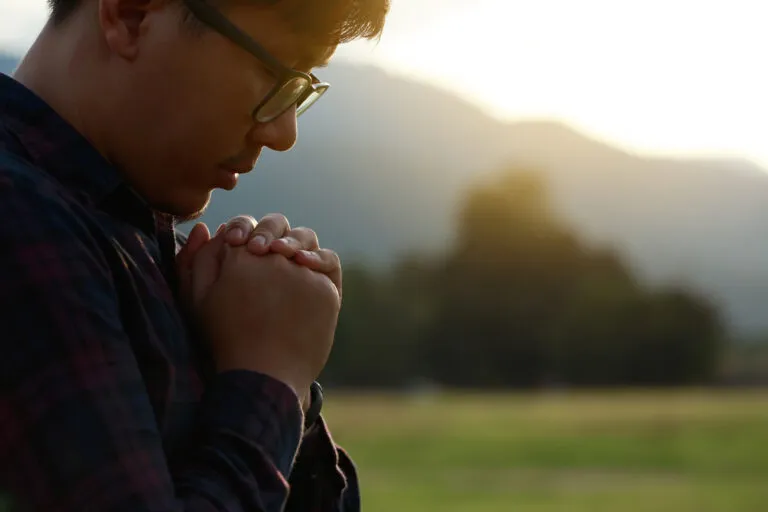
(523, 302)
(381, 326)
(681, 341)
(501, 286)
(519, 301)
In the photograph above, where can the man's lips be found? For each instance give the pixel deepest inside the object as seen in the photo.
(241, 165)
(230, 171)
(238, 169)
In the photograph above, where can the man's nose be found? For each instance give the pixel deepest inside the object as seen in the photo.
(279, 134)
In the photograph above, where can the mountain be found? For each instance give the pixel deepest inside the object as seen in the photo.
(382, 162)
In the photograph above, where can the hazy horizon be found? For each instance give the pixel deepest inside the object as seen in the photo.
(673, 79)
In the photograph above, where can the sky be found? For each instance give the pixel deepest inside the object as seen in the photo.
(685, 77)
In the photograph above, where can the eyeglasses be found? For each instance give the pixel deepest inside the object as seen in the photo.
(292, 87)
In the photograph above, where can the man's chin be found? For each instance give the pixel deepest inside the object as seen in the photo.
(192, 208)
(191, 216)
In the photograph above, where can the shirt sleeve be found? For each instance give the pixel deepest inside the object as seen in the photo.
(324, 478)
(77, 429)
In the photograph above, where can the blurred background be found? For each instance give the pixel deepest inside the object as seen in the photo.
(552, 217)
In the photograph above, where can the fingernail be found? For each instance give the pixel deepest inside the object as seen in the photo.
(310, 255)
(258, 242)
(236, 235)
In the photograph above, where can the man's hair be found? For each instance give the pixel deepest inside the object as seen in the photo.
(328, 22)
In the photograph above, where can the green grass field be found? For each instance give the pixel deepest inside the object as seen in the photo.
(628, 452)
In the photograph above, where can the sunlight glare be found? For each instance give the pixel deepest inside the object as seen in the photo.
(651, 75)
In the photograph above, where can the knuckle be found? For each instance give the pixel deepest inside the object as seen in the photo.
(293, 242)
(307, 238)
(274, 224)
(276, 218)
(305, 232)
(245, 221)
(331, 256)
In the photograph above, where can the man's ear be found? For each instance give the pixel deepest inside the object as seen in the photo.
(123, 22)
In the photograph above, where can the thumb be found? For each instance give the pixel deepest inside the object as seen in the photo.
(198, 237)
(206, 266)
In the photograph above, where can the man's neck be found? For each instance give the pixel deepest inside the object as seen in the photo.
(57, 70)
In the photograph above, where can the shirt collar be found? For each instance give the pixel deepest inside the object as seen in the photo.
(54, 146)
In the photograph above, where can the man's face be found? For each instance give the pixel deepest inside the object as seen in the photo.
(185, 103)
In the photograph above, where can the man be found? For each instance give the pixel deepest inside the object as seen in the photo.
(136, 376)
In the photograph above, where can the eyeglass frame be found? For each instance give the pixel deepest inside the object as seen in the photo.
(215, 19)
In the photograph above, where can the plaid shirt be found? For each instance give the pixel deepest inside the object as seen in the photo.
(107, 401)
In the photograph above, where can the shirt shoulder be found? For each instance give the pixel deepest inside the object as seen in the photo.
(41, 215)
(22, 179)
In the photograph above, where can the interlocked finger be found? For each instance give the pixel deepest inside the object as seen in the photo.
(238, 229)
(296, 239)
(269, 228)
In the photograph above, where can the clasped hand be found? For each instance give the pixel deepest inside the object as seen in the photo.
(266, 295)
